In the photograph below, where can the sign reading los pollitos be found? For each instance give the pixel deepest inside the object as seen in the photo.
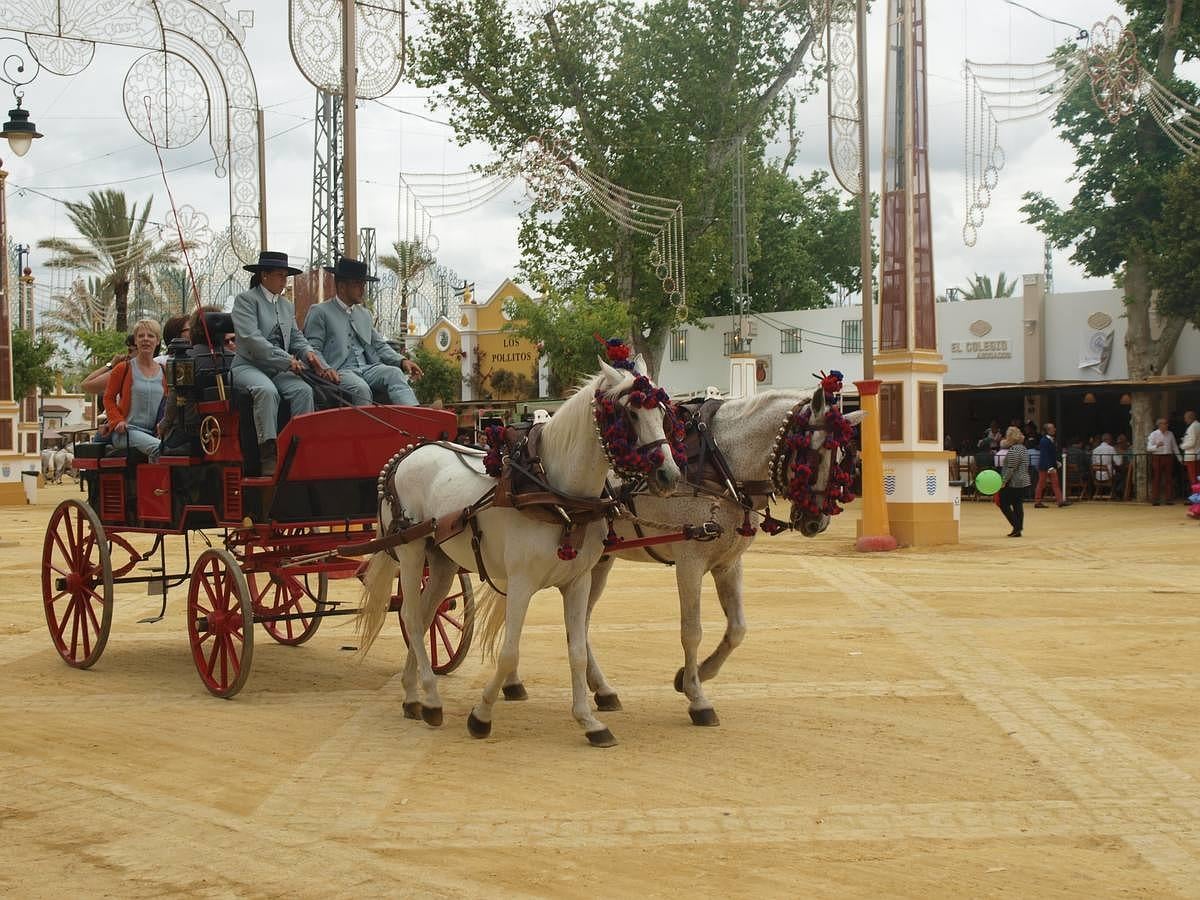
(981, 349)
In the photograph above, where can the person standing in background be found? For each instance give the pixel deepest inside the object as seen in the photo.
(1014, 480)
(1191, 446)
(1048, 468)
(1161, 446)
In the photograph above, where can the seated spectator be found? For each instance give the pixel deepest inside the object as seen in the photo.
(134, 394)
(1103, 456)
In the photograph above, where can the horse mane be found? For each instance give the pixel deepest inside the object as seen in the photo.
(753, 424)
(750, 406)
(570, 433)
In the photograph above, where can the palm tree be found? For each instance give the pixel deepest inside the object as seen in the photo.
(980, 287)
(115, 245)
(86, 306)
(409, 263)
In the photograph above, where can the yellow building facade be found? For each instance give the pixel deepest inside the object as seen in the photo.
(495, 363)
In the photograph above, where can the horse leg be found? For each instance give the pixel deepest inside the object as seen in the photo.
(606, 696)
(418, 678)
(575, 612)
(516, 606)
(441, 573)
(688, 574)
(729, 592)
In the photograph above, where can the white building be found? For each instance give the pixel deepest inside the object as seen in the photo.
(1034, 357)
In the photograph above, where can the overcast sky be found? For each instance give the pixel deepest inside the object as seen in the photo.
(88, 144)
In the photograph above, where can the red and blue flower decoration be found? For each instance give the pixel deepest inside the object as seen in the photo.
(795, 447)
(614, 425)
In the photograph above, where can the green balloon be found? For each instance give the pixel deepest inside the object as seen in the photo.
(988, 481)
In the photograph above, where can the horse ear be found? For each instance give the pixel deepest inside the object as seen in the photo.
(856, 417)
(611, 375)
(639, 365)
(817, 403)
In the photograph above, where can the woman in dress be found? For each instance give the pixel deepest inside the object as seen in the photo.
(1014, 479)
(135, 392)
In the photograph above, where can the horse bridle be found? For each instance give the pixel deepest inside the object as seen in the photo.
(633, 462)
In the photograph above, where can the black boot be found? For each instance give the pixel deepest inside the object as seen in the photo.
(267, 458)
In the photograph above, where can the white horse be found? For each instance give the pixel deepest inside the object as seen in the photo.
(749, 434)
(519, 554)
(64, 462)
(48, 464)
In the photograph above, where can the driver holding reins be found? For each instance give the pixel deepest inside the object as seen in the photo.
(272, 351)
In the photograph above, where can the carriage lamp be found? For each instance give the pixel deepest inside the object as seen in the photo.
(19, 130)
(181, 371)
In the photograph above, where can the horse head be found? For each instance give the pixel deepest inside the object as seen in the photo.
(637, 427)
(814, 458)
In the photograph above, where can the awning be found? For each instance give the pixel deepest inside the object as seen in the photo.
(1149, 384)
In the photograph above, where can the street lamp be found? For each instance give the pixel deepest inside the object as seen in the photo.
(19, 130)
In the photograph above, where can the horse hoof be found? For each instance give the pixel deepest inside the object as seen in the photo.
(477, 727)
(515, 691)
(601, 738)
(608, 703)
(679, 681)
(704, 716)
(432, 715)
(412, 710)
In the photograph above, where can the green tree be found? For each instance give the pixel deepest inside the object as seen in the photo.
(564, 326)
(979, 287)
(115, 244)
(102, 346)
(1116, 220)
(1174, 269)
(30, 362)
(442, 379)
(655, 97)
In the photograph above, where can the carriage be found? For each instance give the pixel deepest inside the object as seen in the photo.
(282, 538)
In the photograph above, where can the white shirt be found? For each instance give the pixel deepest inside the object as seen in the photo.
(1162, 443)
(1104, 455)
(1191, 441)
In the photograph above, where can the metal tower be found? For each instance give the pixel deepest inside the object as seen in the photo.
(328, 204)
(1048, 266)
(367, 253)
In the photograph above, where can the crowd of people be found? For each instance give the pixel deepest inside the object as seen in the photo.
(1030, 460)
(271, 357)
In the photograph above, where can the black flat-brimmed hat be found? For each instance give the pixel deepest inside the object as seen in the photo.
(348, 269)
(268, 260)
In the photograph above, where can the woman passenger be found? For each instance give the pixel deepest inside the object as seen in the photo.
(134, 393)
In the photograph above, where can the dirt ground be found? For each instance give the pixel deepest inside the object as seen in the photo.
(1011, 718)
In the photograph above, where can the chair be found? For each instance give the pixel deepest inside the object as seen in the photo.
(1076, 482)
(1102, 482)
(969, 489)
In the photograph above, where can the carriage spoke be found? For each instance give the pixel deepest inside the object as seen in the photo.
(216, 648)
(63, 547)
(91, 611)
(67, 613)
(74, 629)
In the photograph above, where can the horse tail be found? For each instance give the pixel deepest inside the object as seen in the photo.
(490, 611)
(378, 581)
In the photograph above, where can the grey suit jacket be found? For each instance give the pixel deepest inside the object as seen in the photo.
(328, 330)
(267, 336)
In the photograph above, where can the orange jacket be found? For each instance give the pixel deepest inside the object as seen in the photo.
(118, 393)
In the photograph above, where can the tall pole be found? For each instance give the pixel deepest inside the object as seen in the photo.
(864, 202)
(349, 163)
(874, 528)
(262, 184)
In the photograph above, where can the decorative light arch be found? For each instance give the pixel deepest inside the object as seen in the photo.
(195, 72)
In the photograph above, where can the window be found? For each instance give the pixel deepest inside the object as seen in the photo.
(679, 345)
(927, 417)
(852, 336)
(891, 411)
(789, 340)
(733, 343)
(6, 434)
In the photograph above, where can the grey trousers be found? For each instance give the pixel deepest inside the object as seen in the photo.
(265, 392)
(139, 439)
(359, 383)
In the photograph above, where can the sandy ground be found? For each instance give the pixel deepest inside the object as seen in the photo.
(1012, 718)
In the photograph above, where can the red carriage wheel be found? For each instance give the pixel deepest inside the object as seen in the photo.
(220, 622)
(281, 594)
(453, 625)
(77, 583)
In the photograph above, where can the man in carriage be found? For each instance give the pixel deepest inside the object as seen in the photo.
(272, 351)
(343, 331)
